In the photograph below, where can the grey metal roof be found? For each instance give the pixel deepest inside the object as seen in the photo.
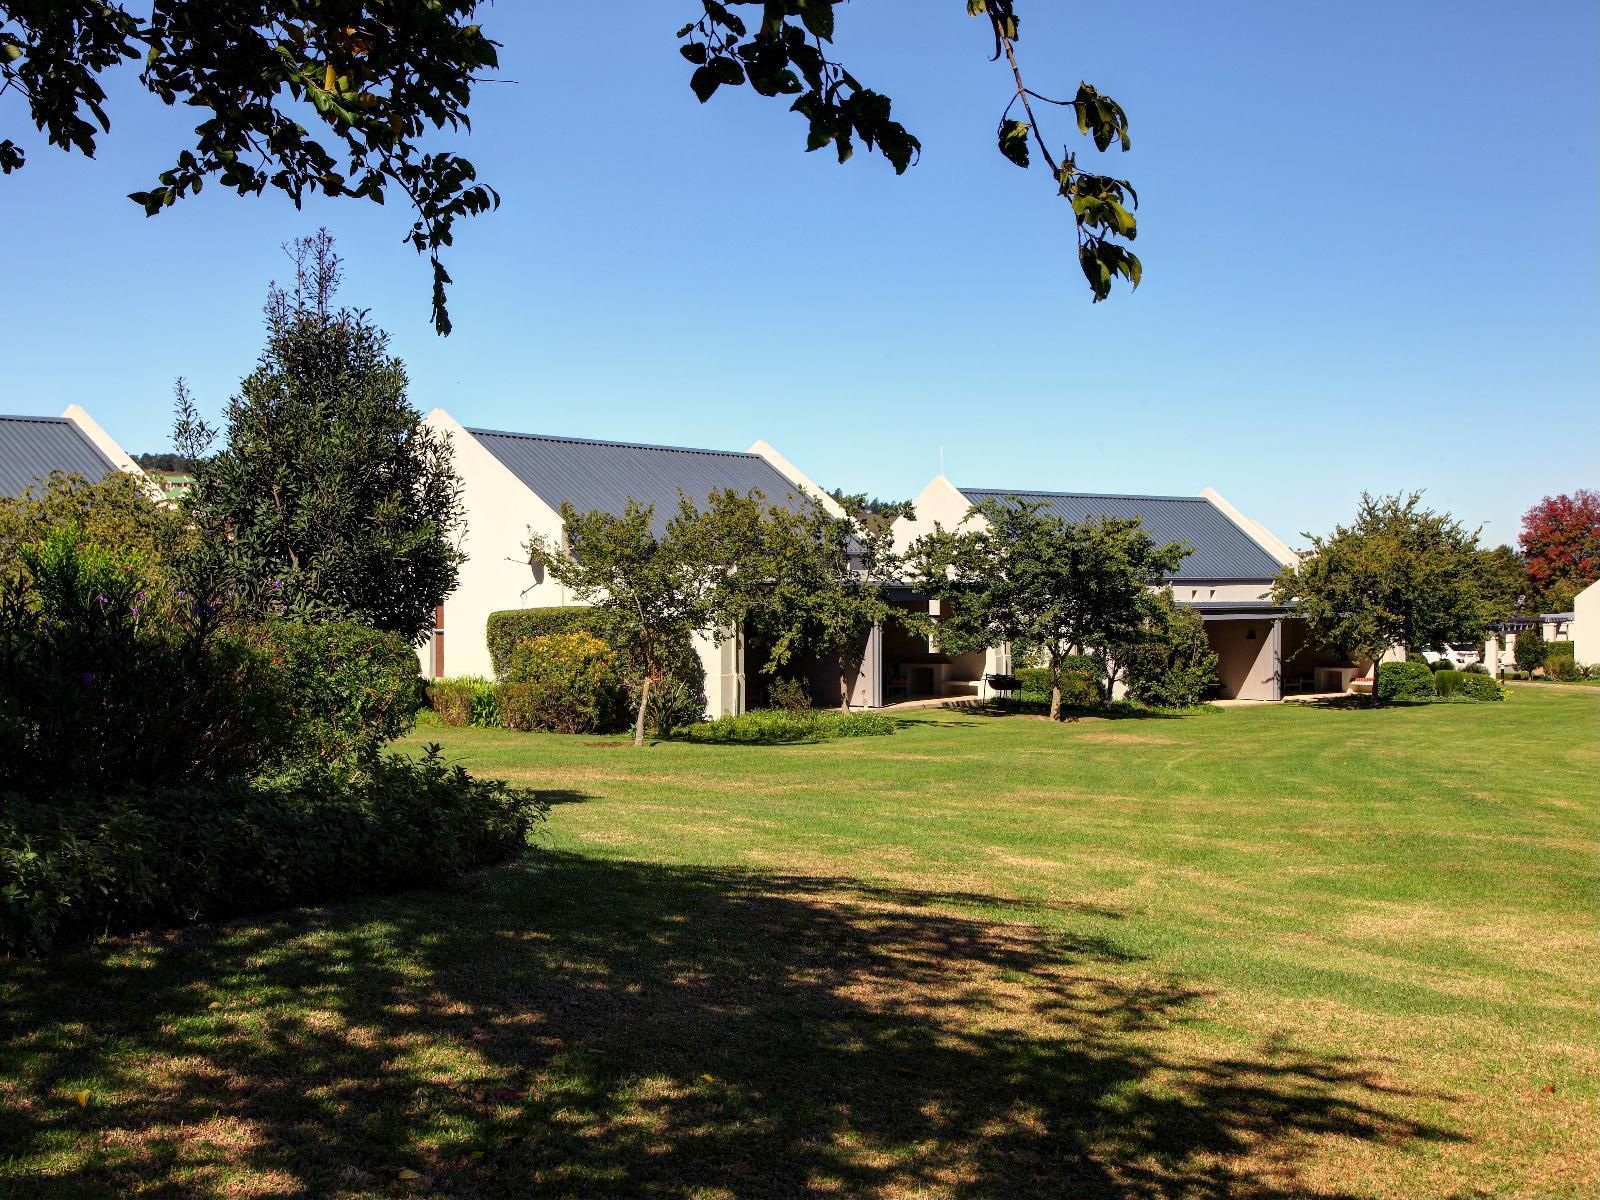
(1222, 550)
(32, 447)
(605, 475)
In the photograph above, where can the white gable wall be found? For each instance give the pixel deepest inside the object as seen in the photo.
(500, 515)
(1586, 626)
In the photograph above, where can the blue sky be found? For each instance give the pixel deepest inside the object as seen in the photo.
(1368, 231)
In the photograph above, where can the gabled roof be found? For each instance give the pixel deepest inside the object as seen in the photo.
(32, 447)
(1222, 550)
(605, 475)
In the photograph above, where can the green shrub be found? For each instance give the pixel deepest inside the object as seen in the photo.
(506, 629)
(791, 695)
(572, 683)
(82, 867)
(1079, 684)
(1442, 664)
(1562, 668)
(1555, 650)
(1480, 687)
(348, 690)
(1405, 682)
(673, 705)
(1448, 683)
(463, 700)
(1417, 656)
(1476, 668)
(113, 676)
(774, 726)
(1174, 665)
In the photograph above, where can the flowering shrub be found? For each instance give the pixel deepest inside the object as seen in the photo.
(570, 681)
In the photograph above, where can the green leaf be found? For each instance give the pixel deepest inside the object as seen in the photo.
(818, 17)
(704, 83)
(1013, 138)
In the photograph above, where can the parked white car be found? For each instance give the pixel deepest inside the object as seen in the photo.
(1458, 655)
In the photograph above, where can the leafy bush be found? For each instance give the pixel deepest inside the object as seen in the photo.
(1079, 686)
(791, 695)
(509, 628)
(463, 700)
(81, 867)
(674, 704)
(1417, 656)
(1447, 683)
(774, 726)
(348, 690)
(1174, 665)
(572, 683)
(1563, 669)
(1442, 664)
(1476, 668)
(1555, 650)
(1480, 687)
(112, 676)
(1405, 682)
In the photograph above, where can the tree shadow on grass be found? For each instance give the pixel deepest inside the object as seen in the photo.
(579, 1027)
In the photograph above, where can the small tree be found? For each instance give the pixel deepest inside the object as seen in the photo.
(1531, 651)
(1400, 574)
(331, 499)
(1022, 576)
(651, 591)
(809, 581)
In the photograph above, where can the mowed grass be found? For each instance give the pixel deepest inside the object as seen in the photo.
(1267, 952)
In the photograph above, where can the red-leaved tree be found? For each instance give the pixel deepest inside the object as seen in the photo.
(1561, 544)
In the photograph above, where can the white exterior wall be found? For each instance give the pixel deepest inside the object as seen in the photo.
(1586, 626)
(500, 514)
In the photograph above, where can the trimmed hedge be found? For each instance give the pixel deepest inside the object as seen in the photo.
(81, 867)
(1405, 682)
(563, 682)
(775, 726)
(507, 629)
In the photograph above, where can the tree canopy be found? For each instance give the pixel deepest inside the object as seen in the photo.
(330, 499)
(1020, 576)
(344, 98)
(1399, 574)
(801, 579)
(1561, 545)
(651, 590)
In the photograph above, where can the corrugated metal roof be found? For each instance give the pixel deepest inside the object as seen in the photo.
(1222, 550)
(32, 447)
(606, 475)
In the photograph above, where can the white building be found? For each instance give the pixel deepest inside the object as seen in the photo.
(513, 487)
(32, 447)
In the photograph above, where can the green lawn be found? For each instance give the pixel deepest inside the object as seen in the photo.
(1267, 952)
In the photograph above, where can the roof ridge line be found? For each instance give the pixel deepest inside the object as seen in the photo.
(1085, 495)
(556, 437)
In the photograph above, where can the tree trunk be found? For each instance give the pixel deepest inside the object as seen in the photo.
(1055, 687)
(1377, 662)
(644, 707)
(844, 686)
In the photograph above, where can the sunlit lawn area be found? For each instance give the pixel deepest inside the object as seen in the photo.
(1263, 952)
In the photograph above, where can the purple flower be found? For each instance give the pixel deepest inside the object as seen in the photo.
(88, 678)
(102, 599)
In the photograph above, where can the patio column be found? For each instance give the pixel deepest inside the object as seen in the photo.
(875, 667)
(1277, 659)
